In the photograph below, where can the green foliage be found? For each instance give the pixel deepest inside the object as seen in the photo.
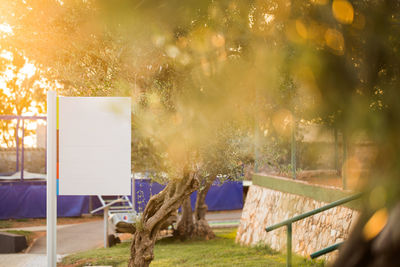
(22, 220)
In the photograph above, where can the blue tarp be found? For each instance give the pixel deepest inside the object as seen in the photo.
(226, 196)
(28, 199)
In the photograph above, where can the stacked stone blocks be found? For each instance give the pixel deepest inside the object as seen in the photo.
(265, 207)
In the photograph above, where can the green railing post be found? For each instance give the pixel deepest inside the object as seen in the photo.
(335, 132)
(345, 163)
(256, 144)
(289, 246)
(293, 147)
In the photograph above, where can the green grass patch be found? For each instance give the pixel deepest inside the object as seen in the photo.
(296, 187)
(221, 251)
(22, 220)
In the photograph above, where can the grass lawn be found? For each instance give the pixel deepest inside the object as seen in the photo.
(221, 251)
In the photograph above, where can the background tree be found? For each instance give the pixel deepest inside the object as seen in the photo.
(22, 91)
(222, 159)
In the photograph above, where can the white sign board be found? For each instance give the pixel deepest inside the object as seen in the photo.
(94, 149)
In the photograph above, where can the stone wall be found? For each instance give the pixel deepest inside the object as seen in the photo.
(265, 207)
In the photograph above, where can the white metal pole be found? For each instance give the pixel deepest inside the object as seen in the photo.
(105, 210)
(51, 179)
(133, 193)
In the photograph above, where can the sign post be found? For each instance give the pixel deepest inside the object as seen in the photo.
(88, 152)
(51, 208)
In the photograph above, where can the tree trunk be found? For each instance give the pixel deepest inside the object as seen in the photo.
(159, 208)
(201, 227)
(185, 225)
(201, 206)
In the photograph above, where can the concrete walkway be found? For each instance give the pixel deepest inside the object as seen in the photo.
(70, 239)
(229, 215)
(23, 260)
(73, 238)
(224, 219)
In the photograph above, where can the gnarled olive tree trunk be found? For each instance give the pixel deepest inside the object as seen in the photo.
(201, 227)
(185, 226)
(159, 208)
(198, 227)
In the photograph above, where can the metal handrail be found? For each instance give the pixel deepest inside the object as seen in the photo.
(288, 222)
(118, 200)
(325, 250)
(22, 117)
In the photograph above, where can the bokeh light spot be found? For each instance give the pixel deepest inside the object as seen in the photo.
(301, 29)
(375, 224)
(343, 11)
(172, 51)
(334, 40)
(218, 40)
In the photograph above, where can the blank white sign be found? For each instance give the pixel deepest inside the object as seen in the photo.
(94, 145)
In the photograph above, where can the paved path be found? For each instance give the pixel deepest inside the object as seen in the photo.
(73, 238)
(224, 215)
(24, 260)
(70, 239)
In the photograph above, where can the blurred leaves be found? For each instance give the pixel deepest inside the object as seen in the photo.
(194, 67)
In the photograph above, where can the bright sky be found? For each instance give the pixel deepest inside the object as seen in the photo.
(27, 71)
(5, 28)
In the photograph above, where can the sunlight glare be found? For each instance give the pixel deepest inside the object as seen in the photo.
(269, 18)
(6, 55)
(282, 121)
(6, 28)
(28, 70)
